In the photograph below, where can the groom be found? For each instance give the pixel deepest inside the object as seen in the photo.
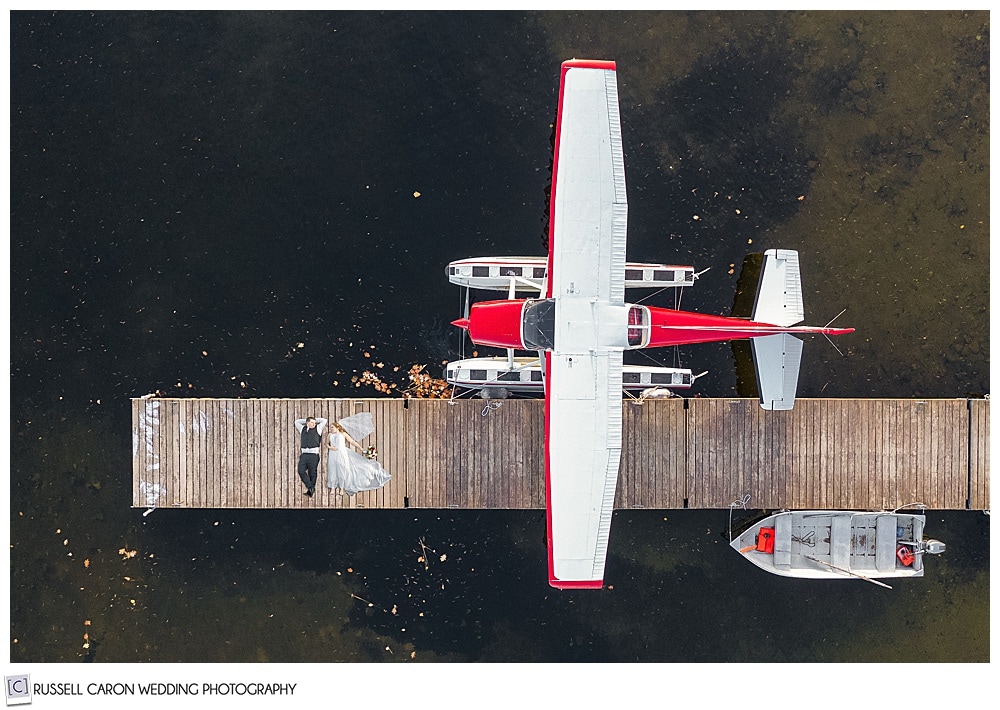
(310, 437)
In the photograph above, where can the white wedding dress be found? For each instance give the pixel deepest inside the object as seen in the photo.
(348, 469)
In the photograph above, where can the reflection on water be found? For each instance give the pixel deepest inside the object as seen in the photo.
(232, 206)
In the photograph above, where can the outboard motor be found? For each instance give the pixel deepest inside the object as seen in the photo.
(934, 547)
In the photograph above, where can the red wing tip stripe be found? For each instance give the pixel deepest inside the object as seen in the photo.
(579, 584)
(588, 64)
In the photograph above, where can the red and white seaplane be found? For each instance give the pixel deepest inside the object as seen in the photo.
(580, 324)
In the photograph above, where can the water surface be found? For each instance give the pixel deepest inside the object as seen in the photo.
(245, 204)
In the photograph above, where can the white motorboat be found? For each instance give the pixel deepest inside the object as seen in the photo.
(839, 544)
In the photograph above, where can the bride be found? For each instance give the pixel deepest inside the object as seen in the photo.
(349, 469)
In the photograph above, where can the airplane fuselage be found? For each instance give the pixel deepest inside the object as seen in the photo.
(670, 327)
(528, 324)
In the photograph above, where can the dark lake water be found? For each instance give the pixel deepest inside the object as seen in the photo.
(193, 195)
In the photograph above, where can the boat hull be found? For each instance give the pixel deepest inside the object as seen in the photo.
(830, 544)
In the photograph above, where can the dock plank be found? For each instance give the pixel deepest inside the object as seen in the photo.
(979, 457)
(138, 449)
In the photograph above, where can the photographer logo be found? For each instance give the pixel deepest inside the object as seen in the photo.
(18, 689)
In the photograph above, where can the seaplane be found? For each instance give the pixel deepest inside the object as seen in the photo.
(580, 325)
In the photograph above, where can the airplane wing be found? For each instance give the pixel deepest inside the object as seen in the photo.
(589, 210)
(586, 277)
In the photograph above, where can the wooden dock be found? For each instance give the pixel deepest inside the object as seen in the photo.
(677, 453)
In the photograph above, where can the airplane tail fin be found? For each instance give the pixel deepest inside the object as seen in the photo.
(779, 293)
(776, 360)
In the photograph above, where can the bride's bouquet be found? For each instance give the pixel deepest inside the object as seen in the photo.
(371, 453)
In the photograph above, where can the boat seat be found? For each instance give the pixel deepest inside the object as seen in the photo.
(840, 541)
(885, 543)
(783, 542)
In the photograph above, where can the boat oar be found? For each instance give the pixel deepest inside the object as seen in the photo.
(847, 571)
(744, 550)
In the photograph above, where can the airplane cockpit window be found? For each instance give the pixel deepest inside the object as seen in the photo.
(637, 335)
(539, 325)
